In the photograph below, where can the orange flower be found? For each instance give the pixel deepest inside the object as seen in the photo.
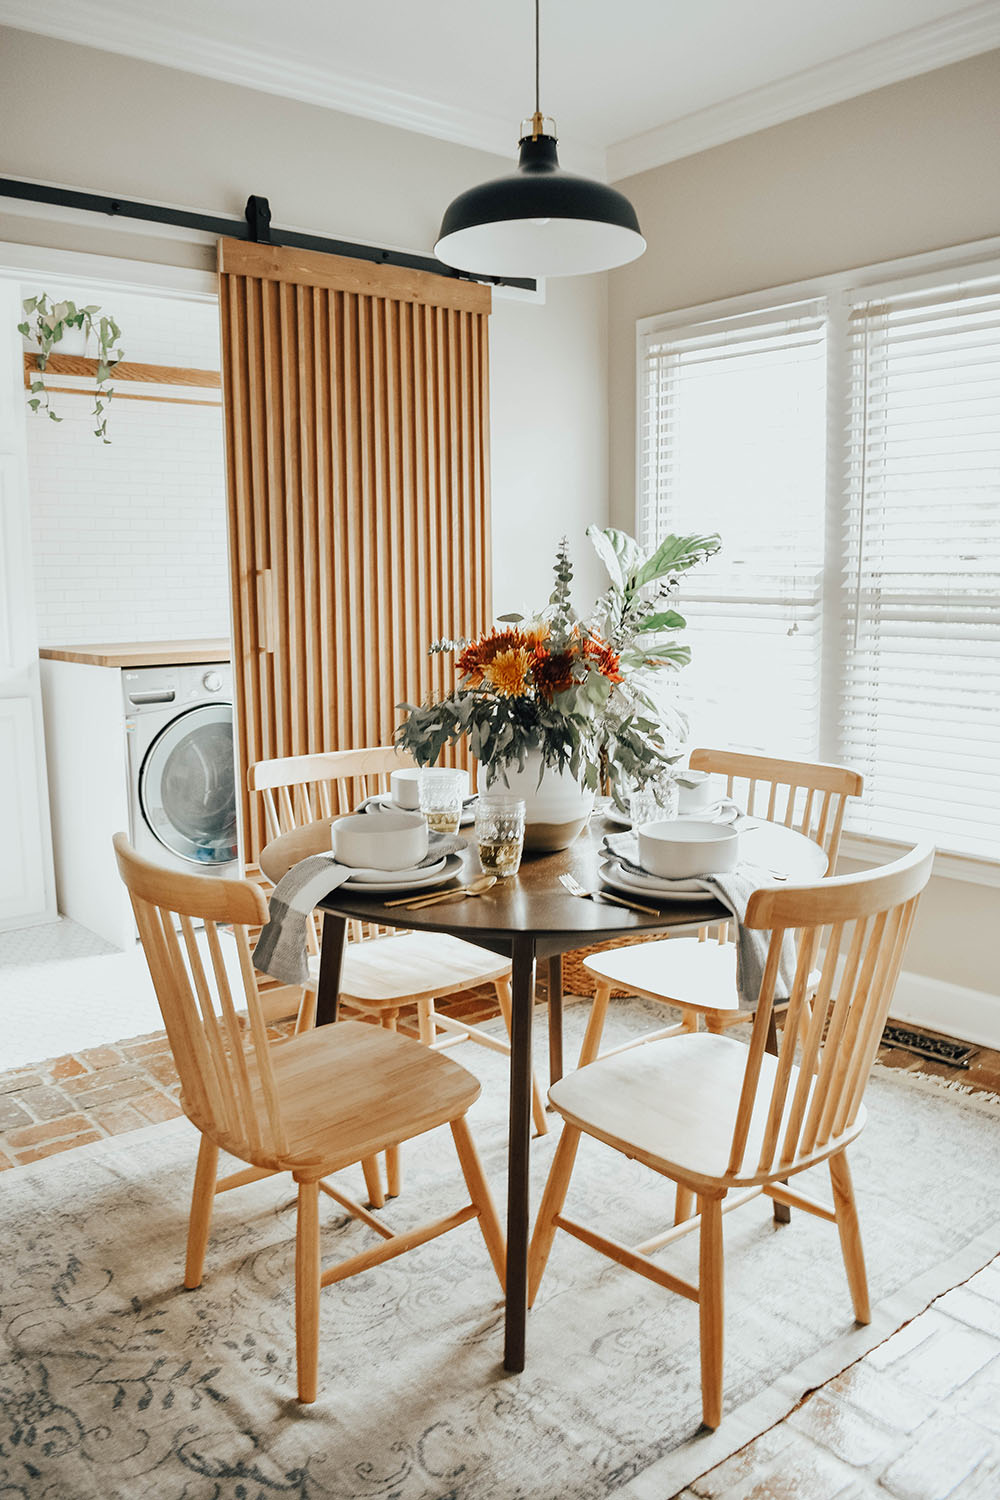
(478, 654)
(607, 660)
(507, 673)
(553, 673)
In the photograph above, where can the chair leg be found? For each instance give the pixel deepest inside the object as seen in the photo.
(307, 1290)
(595, 1026)
(683, 1203)
(711, 1304)
(373, 1181)
(850, 1235)
(482, 1198)
(502, 987)
(781, 1213)
(306, 1018)
(425, 1021)
(550, 1207)
(202, 1203)
(393, 1168)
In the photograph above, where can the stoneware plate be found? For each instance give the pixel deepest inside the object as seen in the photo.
(392, 882)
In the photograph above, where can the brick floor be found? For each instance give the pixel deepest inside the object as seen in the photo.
(52, 1106)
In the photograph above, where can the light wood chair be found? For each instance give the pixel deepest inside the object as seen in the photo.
(311, 1105)
(715, 1115)
(383, 969)
(696, 975)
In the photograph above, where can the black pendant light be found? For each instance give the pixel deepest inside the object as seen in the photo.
(539, 220)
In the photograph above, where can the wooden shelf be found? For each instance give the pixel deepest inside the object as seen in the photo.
(80, 366)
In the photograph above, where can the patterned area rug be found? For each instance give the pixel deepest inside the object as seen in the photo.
(116, 1383)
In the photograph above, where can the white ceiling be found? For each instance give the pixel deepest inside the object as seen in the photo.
(631, 83)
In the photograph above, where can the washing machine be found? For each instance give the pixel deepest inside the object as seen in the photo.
(181, 766)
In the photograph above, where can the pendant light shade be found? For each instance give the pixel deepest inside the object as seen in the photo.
(539, 220)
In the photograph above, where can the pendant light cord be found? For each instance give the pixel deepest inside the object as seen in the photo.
(537, 89)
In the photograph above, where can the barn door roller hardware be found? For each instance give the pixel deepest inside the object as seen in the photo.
(255, 227)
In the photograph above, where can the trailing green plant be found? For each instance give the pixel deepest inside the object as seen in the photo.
(579, 691)
(46, 323)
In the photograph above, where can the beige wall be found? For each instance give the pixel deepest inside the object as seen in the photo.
(905, 169)
(84, 118)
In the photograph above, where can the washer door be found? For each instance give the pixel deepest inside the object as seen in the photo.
(187, 788)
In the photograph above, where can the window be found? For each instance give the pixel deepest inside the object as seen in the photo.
(847, 447)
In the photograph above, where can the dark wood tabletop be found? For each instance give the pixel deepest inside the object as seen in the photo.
(532, 901)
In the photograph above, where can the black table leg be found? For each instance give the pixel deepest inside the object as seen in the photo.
(331, 957)
(518, 1205)
(555, 1018)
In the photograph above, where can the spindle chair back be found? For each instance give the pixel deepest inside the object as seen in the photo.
(713, 1114)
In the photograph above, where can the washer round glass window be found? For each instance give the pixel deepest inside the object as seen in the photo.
(187, 786)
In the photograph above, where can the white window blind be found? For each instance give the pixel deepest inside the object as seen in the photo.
(919, 700)
(732, 439)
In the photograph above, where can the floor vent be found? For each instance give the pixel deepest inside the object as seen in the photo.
(955, 1054)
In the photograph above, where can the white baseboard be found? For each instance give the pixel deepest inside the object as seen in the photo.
(969, 1015)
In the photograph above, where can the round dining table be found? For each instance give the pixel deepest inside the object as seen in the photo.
(527, 918)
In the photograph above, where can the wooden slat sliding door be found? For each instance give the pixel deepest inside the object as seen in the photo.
(356, 405)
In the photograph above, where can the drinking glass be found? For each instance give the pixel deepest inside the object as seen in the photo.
(500, 834)
(653, 804)
(441, 793)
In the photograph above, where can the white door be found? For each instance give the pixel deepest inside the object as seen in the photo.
(27, 884)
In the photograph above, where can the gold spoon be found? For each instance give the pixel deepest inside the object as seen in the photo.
(477, 888)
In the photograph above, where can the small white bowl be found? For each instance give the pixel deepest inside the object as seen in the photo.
(694, 798)
(404, 788)
(677, 851)
(388, 841)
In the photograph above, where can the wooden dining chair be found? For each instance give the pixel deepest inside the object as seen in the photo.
(312, 1105)
(718, 1117)
(698, 975)
(383, 969)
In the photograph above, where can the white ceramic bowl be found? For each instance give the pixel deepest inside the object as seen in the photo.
(694, 799)
(404, 788)
(383, 841)
(676, 851)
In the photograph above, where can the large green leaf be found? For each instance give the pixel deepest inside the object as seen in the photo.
(668, 619)
(619, 552)
(675, 554)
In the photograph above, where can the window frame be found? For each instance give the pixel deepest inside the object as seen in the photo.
(837, 290)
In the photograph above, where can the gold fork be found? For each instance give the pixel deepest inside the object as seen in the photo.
(571, 884)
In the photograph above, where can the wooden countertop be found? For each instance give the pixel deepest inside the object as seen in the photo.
(141, 653)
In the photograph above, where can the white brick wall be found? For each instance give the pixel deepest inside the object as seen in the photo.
(129, 539)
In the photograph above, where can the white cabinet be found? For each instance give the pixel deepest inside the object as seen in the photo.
(27, 886)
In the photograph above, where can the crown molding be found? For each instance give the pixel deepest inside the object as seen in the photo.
(91, 23)
(934, 45)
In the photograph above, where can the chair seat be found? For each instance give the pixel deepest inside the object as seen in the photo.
(413, 966)
(681, 971)
(673, 1105)
(349, 1091)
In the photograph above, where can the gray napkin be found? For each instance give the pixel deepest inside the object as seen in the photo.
(282, 949)
(734, 889)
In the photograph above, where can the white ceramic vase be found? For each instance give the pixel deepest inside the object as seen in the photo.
(556, 810)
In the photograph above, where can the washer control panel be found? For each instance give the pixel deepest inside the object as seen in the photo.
(149, 689)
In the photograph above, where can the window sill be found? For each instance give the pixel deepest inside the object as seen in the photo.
(946, 866)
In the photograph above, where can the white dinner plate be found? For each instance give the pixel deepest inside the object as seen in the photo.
(415, 872)
(632, 885)
(392, 882)
(384, 799)
(722, 811)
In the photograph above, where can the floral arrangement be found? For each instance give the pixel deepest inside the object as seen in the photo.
(579, 691)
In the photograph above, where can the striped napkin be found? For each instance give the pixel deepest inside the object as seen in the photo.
(734, 889)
